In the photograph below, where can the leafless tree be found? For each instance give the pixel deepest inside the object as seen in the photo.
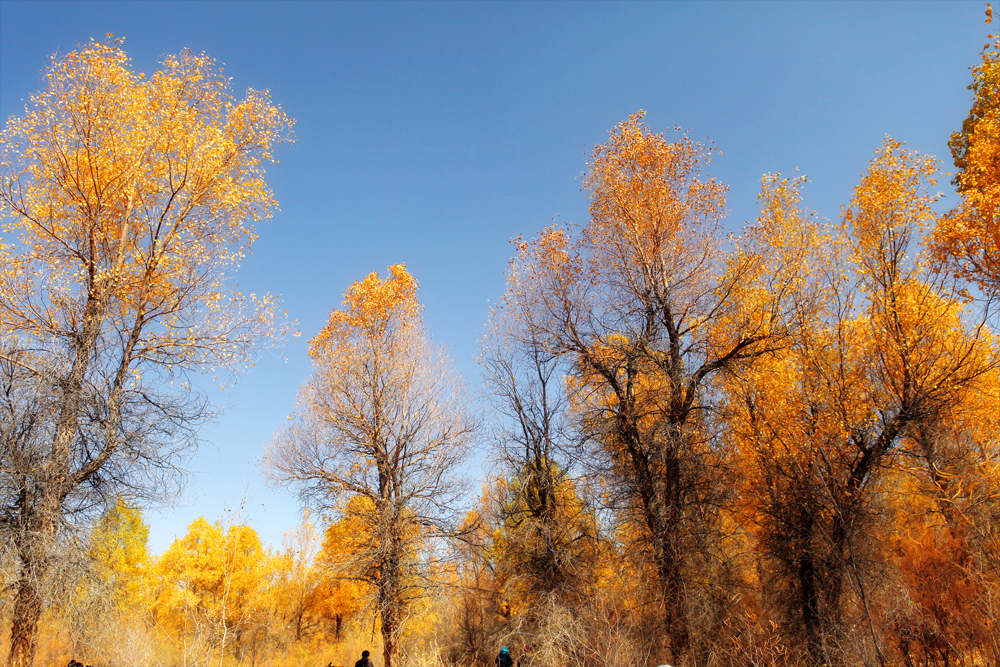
(548, 527)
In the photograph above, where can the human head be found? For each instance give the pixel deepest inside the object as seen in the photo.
(504, 650)
(365, 654)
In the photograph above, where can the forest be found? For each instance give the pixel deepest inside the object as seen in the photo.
(777, 447)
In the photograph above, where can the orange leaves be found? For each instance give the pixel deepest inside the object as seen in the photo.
(889, 206)
(967, 240)
(136, 192)
(913, 330)
(883, 367)
(902, 344)
(772, 274)
(128, 201)
(377, 328)
(373, 306)
(649, 206)
(382, 429)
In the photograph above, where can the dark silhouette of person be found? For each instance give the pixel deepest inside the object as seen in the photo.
(504, 659)
(364, 661)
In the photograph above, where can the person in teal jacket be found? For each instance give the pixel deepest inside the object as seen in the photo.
(504, 659)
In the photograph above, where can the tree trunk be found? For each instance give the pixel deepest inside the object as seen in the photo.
(660, 476)
(390, 596)
(674, 598)
(24, 625)
(40, 515)
(36, 525)
(809, 605)
(388, 643)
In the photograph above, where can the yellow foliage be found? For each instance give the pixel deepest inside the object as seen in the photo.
(888, 208)
(822, 427)
(138, 193)
(547, 539)
(372, 308)
(214, 579)
(967, 240)
(121, 556)
(342, 592)
(652, 216)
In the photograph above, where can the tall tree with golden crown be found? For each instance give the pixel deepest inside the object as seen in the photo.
(127, 203)
(382, 431)
(629, 304)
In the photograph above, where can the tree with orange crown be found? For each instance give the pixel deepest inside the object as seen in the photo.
(967, 240)
(884, 357)
(127, 203)
(630, 305)
(382, 431)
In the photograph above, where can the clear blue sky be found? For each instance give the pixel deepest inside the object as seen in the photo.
(432, 133)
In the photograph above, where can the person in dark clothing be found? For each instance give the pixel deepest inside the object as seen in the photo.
(364, 661)
(504, 659)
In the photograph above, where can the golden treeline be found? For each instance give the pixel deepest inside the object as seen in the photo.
(779, 447)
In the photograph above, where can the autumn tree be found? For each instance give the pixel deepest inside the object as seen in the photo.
(109, 613)
(119, 550)
(543, 535)
(127, 202)
(215, 590)
(478, 613)
(381, 432)
(338, 596)
(546, 527)
(967, 239)
(299, 578)
(882, 353)
(627, 304)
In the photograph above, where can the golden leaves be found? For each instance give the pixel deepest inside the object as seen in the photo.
(137, 192)
(889, 206)
(649, 205)
(219, 572)
(967, 239)
(373, 306)
(120, 554)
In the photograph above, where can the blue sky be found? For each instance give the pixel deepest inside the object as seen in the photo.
(432, 133)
